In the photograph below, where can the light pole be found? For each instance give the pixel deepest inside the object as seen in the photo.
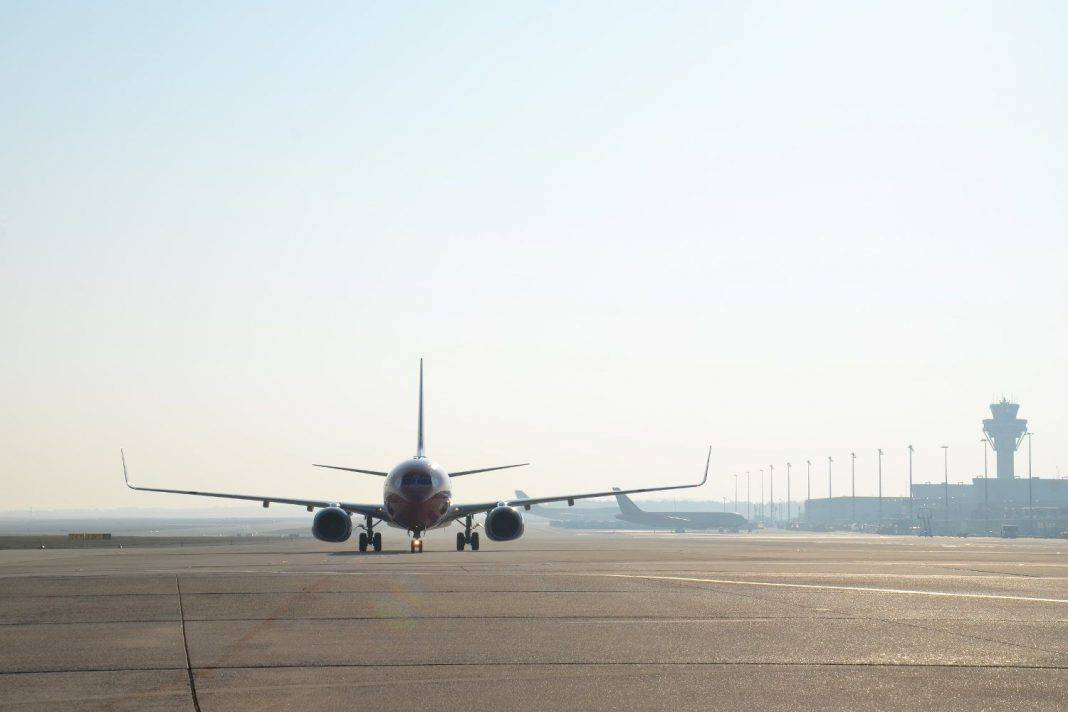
(829, 461)
(853, 483)
(808, 492)
(748, 499)
(763, 512)
(1030, 496)
(880, 486)
(945, 453)
(771, 491)
(910, 483)
(986, 494)
(735, 494)
(788, 494)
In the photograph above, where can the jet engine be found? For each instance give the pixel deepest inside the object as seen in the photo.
(332, 524)
(503, 524)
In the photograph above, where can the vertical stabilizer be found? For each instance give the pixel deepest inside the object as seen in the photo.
(626, 506)
(419, 452)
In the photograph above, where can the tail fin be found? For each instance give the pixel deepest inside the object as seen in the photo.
(419, 449)
(625, 505)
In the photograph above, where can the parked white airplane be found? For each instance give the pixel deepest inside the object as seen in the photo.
(417, 497)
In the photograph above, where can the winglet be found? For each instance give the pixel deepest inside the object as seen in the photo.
(707, 463)
(125, 475)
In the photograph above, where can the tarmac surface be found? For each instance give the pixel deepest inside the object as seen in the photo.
(557, 620)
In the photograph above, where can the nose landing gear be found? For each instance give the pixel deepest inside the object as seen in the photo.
(370, 538)
(417, 546)
(467, 537)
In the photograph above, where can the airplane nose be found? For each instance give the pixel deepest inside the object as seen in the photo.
(418, 496)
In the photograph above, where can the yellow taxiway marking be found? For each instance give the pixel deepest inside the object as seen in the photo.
(827, 587)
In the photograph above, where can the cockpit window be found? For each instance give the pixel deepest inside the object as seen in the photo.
(415, 478)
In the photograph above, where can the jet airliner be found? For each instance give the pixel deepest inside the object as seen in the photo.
(678, 521)
(417, 497)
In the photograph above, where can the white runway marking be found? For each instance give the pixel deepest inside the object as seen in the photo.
(827, 587)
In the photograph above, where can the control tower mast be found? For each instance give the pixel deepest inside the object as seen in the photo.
(1005, 433)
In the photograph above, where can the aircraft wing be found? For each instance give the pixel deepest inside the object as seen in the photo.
(463, 510)
(373, 510)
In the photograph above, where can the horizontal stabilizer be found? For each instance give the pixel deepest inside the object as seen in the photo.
(354, 469)
(486, 469)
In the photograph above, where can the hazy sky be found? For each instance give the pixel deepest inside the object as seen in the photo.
(618, 234)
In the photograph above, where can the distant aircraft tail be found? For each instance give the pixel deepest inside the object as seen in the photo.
(625, 505)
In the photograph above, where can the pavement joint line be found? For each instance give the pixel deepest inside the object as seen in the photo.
(827, 587)
(524, 664)
(832, 616)
(185, 645)
(489, 572)
(918, 625)
(289, 591)
(544, 619)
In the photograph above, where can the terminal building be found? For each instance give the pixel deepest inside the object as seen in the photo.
(1031, 505)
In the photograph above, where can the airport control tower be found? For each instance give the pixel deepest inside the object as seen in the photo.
(1005, 432)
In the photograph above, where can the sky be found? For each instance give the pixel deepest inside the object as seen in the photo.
(619, 233)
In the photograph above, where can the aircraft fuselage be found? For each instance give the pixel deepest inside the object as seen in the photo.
(417, 495)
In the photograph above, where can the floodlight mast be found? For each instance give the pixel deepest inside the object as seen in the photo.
(763, 502)
(771, 491)
(880, 485)
(830, 461)
(788, 495)
(945, 452)
(853, 483)
(910, 481)
(748, 499)
(1030, 495)
(986, 475)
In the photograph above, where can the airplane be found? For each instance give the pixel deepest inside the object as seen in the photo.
(561, 514)
(417, 497)
(678, 521)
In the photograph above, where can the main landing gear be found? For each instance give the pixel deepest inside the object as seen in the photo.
(370, 537)
(467, 537)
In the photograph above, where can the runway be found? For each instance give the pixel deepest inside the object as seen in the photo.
(557, 620)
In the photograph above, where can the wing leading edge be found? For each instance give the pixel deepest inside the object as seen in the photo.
(463, 510)
(371, 510)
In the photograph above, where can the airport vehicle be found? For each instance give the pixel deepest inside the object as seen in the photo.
(417, 497)
(677, 521)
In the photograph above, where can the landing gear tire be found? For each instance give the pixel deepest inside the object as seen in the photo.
(461, 541)
(417, 546)
(376, 541)
(363, 541)
(474, 541)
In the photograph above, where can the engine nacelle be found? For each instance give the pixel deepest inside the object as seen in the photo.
(503, 524)
(332, 524)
